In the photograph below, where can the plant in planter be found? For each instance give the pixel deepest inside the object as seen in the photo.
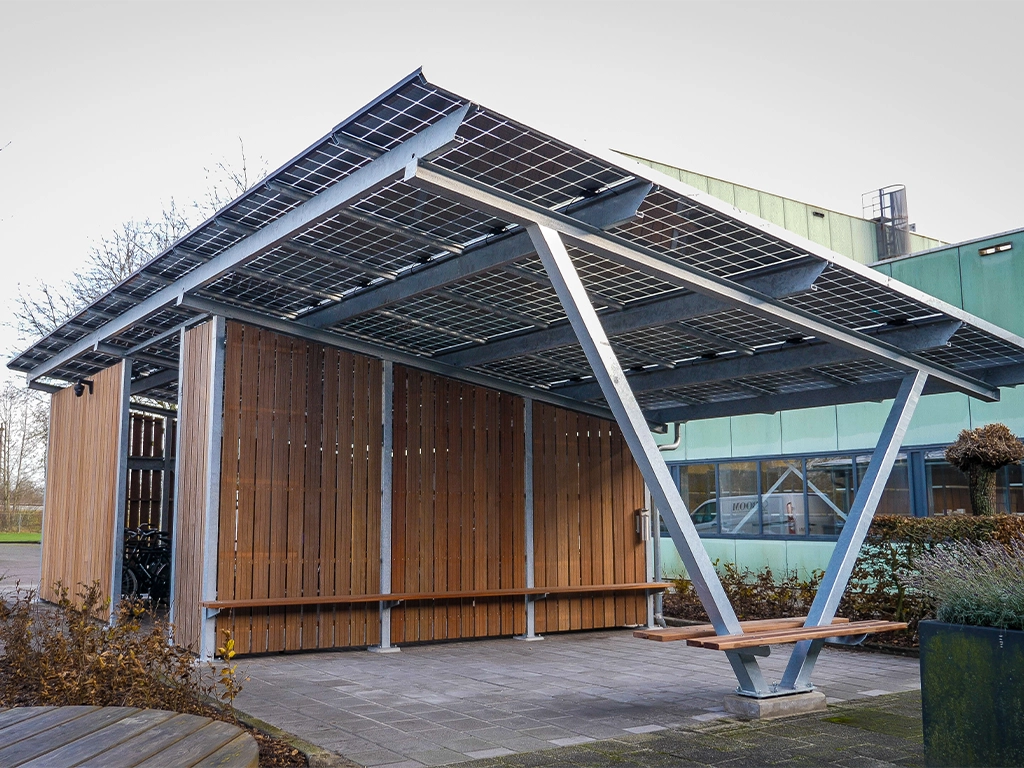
(979, 454)
(972, 657)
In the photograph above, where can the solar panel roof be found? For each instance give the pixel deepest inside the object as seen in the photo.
(710, 310)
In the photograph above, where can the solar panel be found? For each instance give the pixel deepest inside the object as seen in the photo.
(385, 244)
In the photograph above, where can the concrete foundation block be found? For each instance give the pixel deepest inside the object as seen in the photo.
(749, 708)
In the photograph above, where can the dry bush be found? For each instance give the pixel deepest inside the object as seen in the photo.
(61, 655)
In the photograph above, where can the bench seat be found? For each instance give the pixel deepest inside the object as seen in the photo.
(692, 631)
(794, 635)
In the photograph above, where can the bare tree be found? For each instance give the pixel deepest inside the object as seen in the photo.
(23, 428)
(45, 306)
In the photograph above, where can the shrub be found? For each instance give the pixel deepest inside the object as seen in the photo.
(979, 584)
(880, 585)
(61, 655)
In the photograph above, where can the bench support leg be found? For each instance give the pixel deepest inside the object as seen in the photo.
(801, 664)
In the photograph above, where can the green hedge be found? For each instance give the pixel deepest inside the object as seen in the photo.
(878, 586)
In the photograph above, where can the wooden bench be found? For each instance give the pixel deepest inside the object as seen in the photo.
(764, 632)
(408, 597)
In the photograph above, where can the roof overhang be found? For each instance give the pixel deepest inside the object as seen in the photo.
(403, 234)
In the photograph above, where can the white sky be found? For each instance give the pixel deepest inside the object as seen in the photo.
(110, 109)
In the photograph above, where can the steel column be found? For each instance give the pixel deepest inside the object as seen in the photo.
(628, 416)
(211, 523)
(177, 495)
(531, 564)
(121, 498)
(386, 479)
(844, 556)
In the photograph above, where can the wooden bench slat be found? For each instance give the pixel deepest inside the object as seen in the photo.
(670, 634)
(753, 640)
(270, 602)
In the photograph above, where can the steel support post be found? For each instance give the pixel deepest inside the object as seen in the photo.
(844, 556)
(386, 476)
(607, 370)
(211, 522)
(174, 510)
(121, 497)
(531, 563)
(650, 543)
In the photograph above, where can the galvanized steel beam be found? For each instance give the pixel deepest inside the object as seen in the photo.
(363, 180)
(644, 450)
(779, 283)
(844, 556)
(789, 358)
(650, 262)
(614, 207)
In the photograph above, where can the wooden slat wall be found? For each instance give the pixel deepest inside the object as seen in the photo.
(193, 431)
(146, 440)
(458, 501)
(300, 491)
(81, 485)
(586, 492)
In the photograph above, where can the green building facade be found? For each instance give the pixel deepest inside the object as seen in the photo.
(771, 489)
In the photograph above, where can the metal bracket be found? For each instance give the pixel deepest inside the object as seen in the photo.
(209, 613)
(535, 598)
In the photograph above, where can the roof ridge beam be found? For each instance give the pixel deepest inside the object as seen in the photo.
(373, 175)
(647, 261)
(912, 338)
(606, 210)
(780, 282)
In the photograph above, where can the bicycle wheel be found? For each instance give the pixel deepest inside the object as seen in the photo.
(129, 582)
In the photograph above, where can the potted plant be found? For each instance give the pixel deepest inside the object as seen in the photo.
(972, 655)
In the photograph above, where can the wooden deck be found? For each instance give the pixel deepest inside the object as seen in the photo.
(120, 737)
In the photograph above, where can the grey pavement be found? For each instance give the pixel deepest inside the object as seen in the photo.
(19, 562)
(877, 732)
(454, 702)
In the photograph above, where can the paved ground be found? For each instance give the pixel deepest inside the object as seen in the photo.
(876, 732)
(449, 703)
(19, 561)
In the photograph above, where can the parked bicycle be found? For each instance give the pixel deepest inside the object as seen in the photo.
(146, 570)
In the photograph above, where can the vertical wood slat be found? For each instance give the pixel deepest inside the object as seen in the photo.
(193, 426)
(457, 506)
(300, 490)
(82, 486)
(586, 492)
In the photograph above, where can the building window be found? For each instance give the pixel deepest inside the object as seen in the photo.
(829, 493)
(896, 496)
(739, 505)
(698, 489)
(783, 504)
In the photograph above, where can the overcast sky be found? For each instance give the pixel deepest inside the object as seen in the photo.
(107, 110)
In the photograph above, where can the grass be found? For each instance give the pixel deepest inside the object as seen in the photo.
(20, 538)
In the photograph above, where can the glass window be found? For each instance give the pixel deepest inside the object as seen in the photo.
(896, 496)
(697, 487)
(739, 507)
(1010, 490)
(782, 498)
(829, 494)
(948, 493)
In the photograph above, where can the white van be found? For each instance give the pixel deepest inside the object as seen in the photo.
(783, 515)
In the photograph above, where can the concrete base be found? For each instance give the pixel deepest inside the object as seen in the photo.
(527, 638)
(381, 649)
(749, 708)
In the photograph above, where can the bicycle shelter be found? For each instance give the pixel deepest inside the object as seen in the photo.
(416, 372)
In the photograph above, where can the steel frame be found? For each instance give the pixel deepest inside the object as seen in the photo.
(367, 178)
(211, 521)
(665, 494)
(649, 262)
(386, 470)
(121, 497)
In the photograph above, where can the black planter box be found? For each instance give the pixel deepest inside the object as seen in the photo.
(972, 695)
